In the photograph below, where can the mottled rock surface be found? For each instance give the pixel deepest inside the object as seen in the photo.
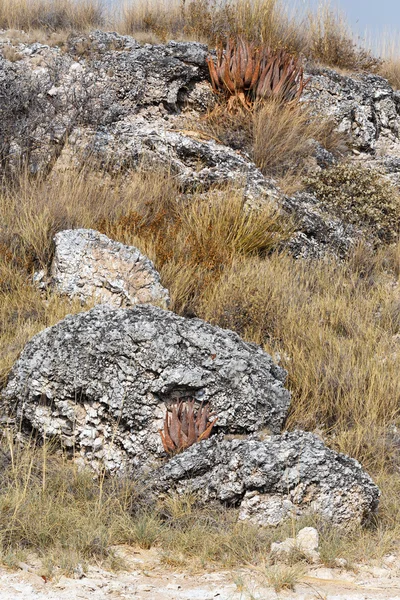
(195, 161)
(101, 380)
(88, 265)
(364, 106)
(318, 231)
(280, 477)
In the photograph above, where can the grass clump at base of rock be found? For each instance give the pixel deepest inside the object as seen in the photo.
(280, 139)
(59, 517)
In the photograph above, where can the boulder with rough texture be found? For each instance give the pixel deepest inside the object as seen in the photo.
(282, 476)
(88, 265)
(101, 381)
(364, 106)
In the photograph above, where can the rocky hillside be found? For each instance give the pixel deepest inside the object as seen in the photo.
(120, 104)
(229, 338)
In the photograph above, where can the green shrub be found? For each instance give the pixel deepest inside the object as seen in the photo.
(359, 196)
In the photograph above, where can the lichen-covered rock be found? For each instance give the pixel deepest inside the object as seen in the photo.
(88, 265)
(319, 232)
(282, 476)
(100, 381)
(365, 106)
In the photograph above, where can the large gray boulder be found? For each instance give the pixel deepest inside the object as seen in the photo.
(90, 266)
(100, 381)
(270, 480)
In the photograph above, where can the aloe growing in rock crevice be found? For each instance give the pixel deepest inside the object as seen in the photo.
(184, 426)
(248, 73)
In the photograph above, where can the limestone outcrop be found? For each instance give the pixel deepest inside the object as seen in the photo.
(121, 104)
(100, 381)
(273, 479)
(90, 266)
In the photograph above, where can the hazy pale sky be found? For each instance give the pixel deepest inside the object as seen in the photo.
(372, 16)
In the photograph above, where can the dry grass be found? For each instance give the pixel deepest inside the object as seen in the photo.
(51, 15)
(280, 139)
(342, 371)
(388, 49)
(62, 514)
(331, 42)
(194, 239)
(283, 577)
(322, 35)
(390, 70)
(66, 517)
(219, 263)
(267, 21)
(284, 140)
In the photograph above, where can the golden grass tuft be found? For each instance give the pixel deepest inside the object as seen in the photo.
(331, 41)
(51, 15)
(388, 49)
(283, 577)
(280, 139)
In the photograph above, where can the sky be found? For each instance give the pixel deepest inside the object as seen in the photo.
(371, 17)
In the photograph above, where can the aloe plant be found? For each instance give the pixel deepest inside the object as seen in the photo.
(183, 426)
(248, 73)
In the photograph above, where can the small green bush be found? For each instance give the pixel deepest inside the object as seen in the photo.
(360, 196)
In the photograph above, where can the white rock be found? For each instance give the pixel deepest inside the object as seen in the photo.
(306, 542)
(89, 265)
(308, 539)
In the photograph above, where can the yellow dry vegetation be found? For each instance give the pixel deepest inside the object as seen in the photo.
(224, 265)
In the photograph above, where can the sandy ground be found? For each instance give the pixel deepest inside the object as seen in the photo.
(147, 579)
